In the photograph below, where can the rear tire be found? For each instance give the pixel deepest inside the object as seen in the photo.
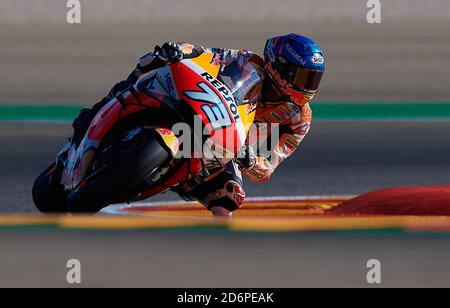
(116, 180)
(48, 194)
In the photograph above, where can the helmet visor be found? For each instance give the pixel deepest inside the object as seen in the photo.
(301, 78)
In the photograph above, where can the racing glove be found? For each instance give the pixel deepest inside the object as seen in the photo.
(171, 52)
(246, 157)
(258, 169)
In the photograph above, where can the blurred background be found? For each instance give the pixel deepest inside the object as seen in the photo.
(45, 60)
(381, 119)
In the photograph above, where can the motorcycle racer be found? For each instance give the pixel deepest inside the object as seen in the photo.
(290, 70)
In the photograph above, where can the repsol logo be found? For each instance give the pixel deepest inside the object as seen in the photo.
(227, 95)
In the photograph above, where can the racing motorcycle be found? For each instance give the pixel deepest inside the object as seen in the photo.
(129, 152)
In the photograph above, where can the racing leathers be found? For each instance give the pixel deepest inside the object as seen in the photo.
(226, 189)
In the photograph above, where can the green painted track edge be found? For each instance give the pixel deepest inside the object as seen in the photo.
(322, 111)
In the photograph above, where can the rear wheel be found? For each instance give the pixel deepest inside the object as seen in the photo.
(48, 194)
(134, 160)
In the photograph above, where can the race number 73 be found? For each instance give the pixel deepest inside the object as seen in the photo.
(215, 110)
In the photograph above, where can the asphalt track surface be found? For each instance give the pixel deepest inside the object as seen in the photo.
(337, 158)
(180, 259)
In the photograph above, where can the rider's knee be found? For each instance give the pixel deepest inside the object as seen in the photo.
(231, 197)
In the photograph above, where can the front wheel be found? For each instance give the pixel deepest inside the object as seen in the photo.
(117, 179)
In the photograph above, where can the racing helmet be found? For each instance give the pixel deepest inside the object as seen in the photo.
(295, 64)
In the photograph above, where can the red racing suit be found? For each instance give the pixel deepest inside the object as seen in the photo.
(294, 121)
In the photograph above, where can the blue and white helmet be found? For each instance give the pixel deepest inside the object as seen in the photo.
(296, 65)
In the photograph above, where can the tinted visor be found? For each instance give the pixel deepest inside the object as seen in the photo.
(300, 78)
